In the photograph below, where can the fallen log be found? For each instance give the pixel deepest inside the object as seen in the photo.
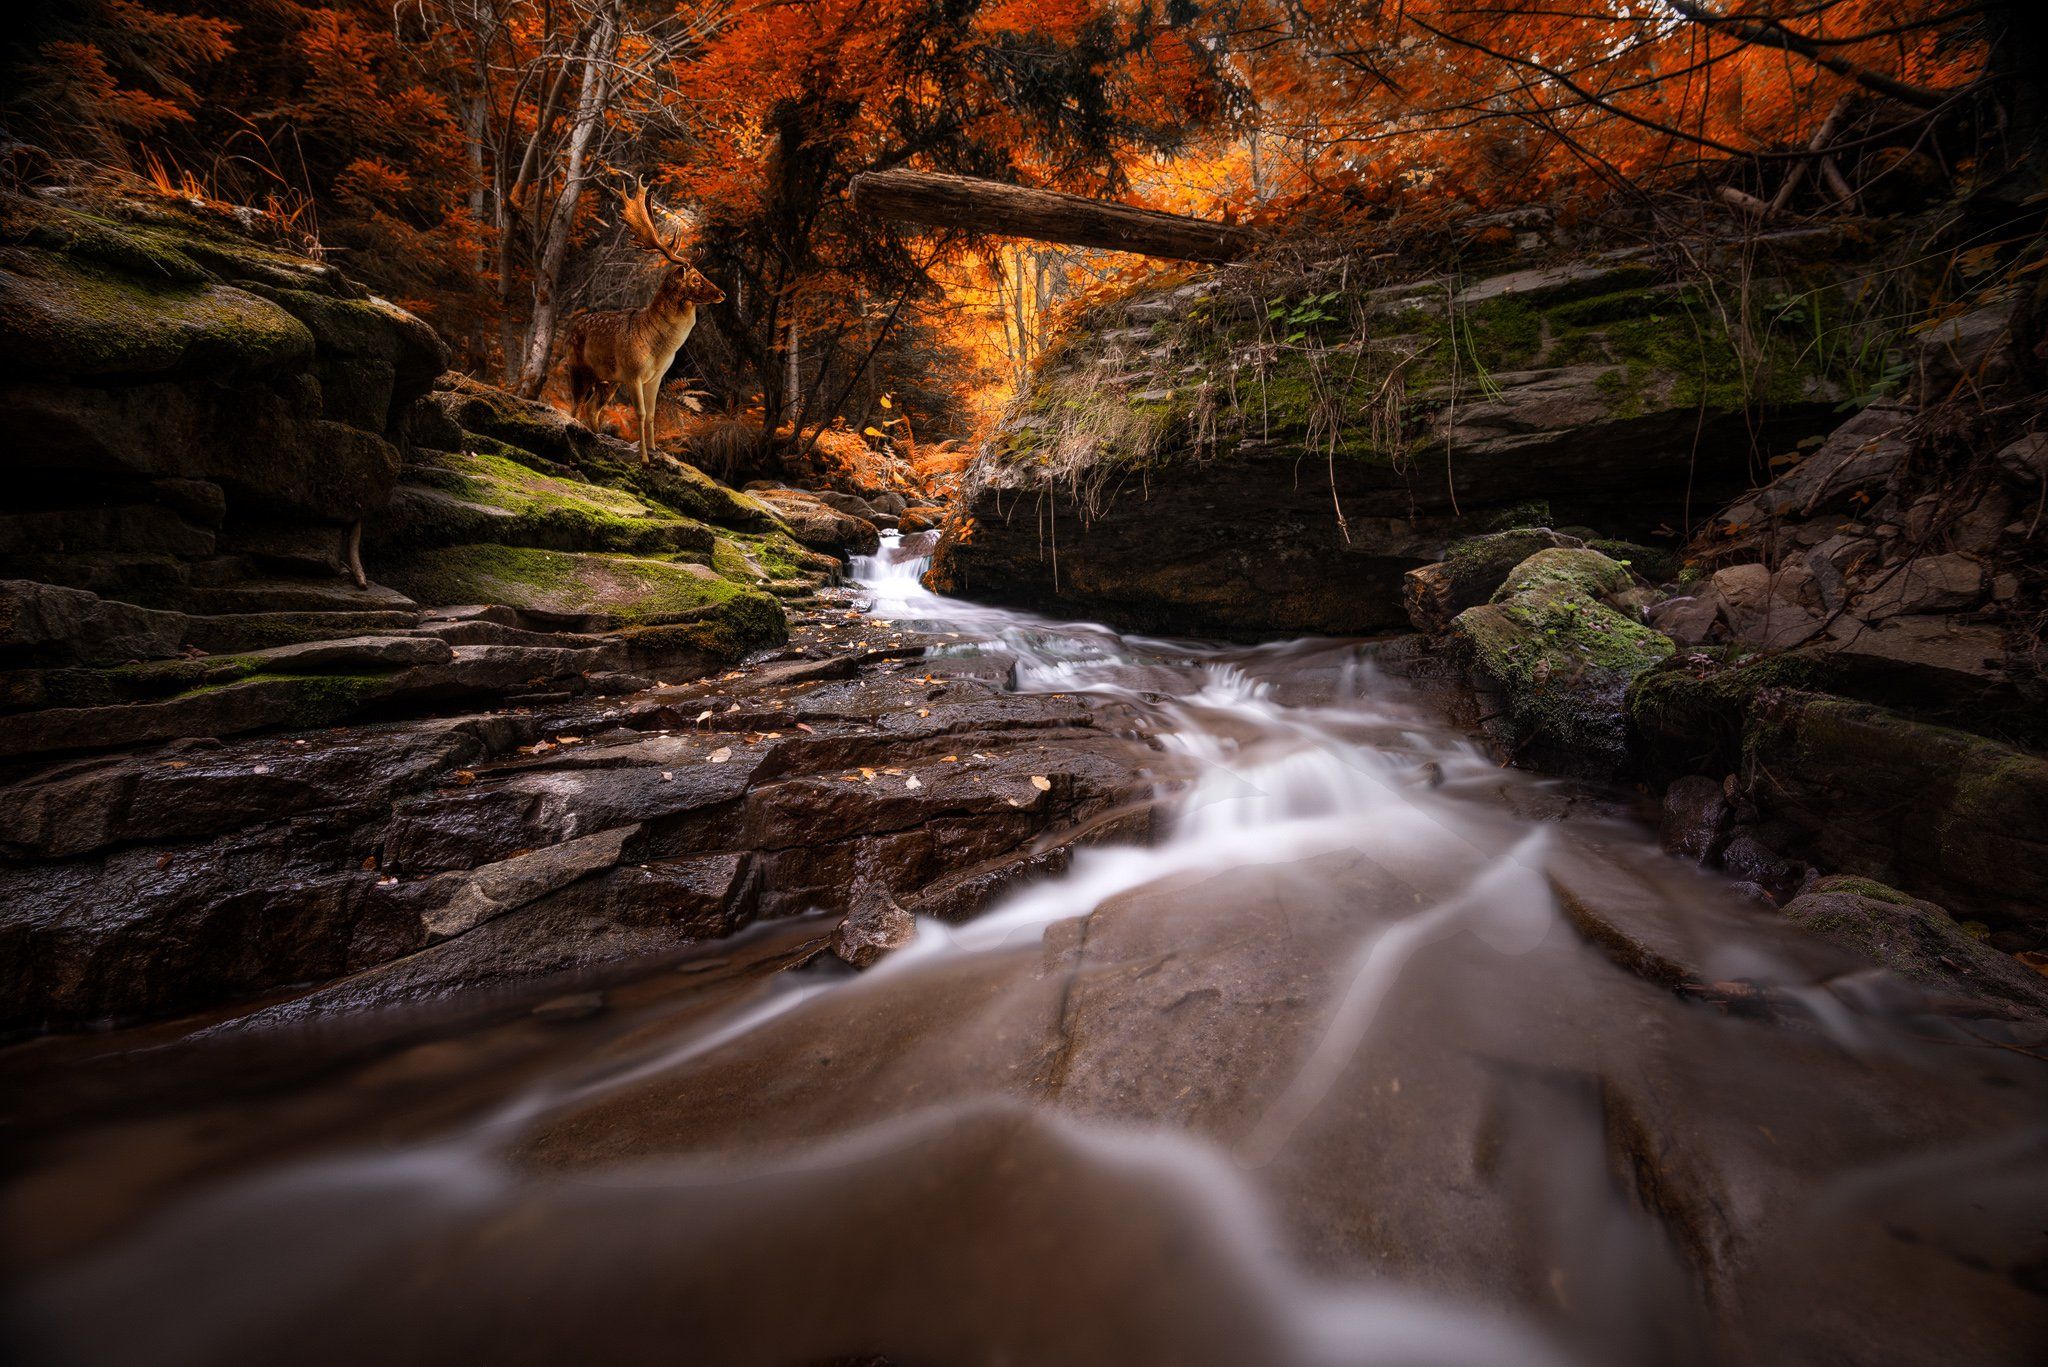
(990, 206)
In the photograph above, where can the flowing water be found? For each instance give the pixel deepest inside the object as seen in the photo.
(1379, 1053)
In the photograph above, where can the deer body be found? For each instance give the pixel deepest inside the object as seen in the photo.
(635, 347)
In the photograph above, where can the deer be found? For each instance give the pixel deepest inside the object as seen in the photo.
(634, 347)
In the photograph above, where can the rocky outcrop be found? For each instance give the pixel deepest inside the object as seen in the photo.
(406, 859)
(210, 425)
(194, 410)
(1212, 458)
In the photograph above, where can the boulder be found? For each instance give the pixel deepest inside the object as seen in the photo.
(1942, 813)
(821, 524)
(1554, 662)
(1472, 568)
(1917, 941)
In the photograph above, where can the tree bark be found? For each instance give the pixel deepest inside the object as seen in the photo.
(547, 275)
(1046, 215)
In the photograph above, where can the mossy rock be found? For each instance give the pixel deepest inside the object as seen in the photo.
(1557, 661)
(1915, 940)
(1689, 715)
(479, 495)
(1659, 565)
(78, 320)
(630, 589)
(1939, 812)
(1570, 571)
(1470, 572)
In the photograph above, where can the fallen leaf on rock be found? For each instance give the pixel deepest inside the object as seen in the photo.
(2034, 959)
(568, 740)
(734, 708)
(260, 769)
(912, 782)
(924, 711)
(177, 764)
(386, 881)
(163, 861)
(721, 754)
(465, 777)
(949, 759)
(667, 775)
(1015, 801)
(705, 715)
(866, 772)
(369, 863)
(1041, 782)
(801, 727)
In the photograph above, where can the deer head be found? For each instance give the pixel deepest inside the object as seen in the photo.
(670, 234)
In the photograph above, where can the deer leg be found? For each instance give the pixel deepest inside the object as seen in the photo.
(352, 552)
(643, 400)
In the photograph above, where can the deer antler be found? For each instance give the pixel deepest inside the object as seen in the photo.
(666, 232)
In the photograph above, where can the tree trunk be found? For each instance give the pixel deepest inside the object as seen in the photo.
(1047, 215)
(547, 274)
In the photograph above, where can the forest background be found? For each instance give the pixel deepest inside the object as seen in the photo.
(463, 157)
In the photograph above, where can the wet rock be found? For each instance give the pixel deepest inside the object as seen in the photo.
(574, 1007)
(822, 525)
(1553, 662)
(1696, 818)
(1916, 940)
(184, 792)
(1749, 860)
(456, 903)
(1939, 812)
(875, 925)
(921, 518)
(1469, 573)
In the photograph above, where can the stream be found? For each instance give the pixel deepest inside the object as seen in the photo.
(1379, 1053)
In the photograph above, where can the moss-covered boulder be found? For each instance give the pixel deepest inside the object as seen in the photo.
(1471, 570)
(479, 495)
(1553, 661)
(1917, 941)
(1940, 812)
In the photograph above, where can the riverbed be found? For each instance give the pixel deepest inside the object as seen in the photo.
(1376, 1052)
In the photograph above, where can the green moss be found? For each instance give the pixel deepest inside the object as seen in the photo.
(1868, 887)
(628, 588)
(82, 319)
(1571, 573)
(542, 510)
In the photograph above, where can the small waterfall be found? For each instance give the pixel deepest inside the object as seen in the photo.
(897, 566)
